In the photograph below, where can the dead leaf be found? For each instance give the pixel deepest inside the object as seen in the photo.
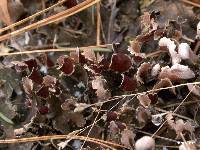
(46, 61)
(128, 84)
(99, 84)
(103, 94)
(43, 92)
(113, 127)
(49, 81)
(194, 88)
(36, 77)
(144, 100)
(89, 54)
(52, 84)
(32, 63)
(120, 62)
(164, 83)
(142, 72)
(135, 47)
(28, 85)
(69, 105)
(78, 119)
(111, 116)
(145, 19)
(143, 115)
(176, 72)
(66, 65)
(19, 66)
(127, 138)
(10, 11)
(179, 125)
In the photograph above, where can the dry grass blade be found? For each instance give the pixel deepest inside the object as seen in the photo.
(98, 24)
(32, 16)
(54, 137)
(57, 17)
(100, 48)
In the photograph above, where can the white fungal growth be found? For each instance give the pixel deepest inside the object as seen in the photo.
(171, 47)
(184, 72)
(164, 41)
(145, 143)
(155, 70)
(184, 51)
(198, 29)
